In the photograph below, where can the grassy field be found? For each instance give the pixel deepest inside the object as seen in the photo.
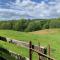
(16, 49)
(45, 37)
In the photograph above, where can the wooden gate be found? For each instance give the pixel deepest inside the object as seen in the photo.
(40, 54)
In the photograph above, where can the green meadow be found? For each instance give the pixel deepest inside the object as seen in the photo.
(45, 37)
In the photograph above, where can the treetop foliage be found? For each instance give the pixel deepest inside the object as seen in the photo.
(30, 25)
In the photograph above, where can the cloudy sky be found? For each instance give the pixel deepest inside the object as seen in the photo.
(15, 9)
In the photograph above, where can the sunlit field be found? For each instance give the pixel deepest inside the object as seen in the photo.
(45, 37)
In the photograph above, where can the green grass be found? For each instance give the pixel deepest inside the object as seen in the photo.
(51, 38)
(17, 49)
(14, 48)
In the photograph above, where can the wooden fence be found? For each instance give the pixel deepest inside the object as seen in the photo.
(40, 54)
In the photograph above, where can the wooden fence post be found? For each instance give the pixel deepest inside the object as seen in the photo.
(39, 50)
(42, 55)
(44, 51)
(49, 51)
(39, 56)
(30, 50)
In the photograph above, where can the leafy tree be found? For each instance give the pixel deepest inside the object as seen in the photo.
(33, 26)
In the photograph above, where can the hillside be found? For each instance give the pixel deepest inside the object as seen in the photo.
(46, 31)
(52, 37)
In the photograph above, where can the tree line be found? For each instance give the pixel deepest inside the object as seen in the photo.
(30, 25)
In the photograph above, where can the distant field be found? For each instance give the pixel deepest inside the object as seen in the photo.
(45, 37)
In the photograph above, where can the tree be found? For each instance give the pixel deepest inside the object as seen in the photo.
(33, 26)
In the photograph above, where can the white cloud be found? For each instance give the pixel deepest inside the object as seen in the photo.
(27, 8)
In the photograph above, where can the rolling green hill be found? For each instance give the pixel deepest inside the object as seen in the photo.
(45, 37)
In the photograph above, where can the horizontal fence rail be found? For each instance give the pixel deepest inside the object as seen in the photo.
(42, 54)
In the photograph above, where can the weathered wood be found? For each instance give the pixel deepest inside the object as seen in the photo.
(44, 55)
(30, 50)
(39, 50)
